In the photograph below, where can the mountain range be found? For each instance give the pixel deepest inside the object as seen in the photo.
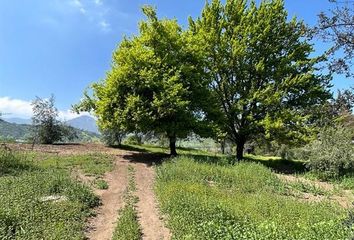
(85, 123)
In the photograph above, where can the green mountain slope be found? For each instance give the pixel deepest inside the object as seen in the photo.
(22, 132)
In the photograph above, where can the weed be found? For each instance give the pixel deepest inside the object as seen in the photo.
(101, 184)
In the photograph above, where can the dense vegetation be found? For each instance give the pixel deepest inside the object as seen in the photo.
(245, 201)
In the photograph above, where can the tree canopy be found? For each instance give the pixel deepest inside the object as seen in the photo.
(242, 68)
(260, 71)
(154, 83)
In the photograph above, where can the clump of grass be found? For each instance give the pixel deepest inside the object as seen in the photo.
(101, 184)
(12, 162)
(309, 188)
(245, 201)
(128, 225)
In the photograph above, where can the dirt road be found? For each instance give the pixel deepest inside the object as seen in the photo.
(101, 227)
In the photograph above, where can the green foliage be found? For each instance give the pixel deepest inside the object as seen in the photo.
(112, 137)
(14, 131)
(332, 154)
(132, 140)
(11, 162)
(155, 80)
(260, 73)
(127, 226)
(101, 184)
(47, 127)
(245, 201)
(37, 203)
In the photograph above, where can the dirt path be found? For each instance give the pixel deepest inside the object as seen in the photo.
(343, 197)
(150, 221)
(102, 226)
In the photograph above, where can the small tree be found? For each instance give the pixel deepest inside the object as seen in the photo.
(47, 129)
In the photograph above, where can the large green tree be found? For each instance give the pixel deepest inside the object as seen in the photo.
(155, 83)
(260, 71)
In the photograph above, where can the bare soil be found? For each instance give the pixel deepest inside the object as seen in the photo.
(150, 221)
(344, 198)
(101, 227)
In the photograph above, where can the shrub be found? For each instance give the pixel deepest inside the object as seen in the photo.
(133, 140)
(285, 152)
(332, 154)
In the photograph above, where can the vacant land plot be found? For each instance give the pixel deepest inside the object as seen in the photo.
(246, 201)
(39, 199)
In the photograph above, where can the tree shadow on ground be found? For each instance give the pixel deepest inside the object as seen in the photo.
(128, 148)
(149, 159)
(282, 166)
(277, 165)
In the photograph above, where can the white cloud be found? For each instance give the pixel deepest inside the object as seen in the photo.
(78, 4)
(106, 27)
(98, 2)
(95, 11)
(23, 109)
(15, 107)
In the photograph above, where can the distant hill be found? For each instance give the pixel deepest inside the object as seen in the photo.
(14, 131)
(22, 132)
(18, 120)
(86, 123)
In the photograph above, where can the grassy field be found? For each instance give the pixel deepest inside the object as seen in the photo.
(243, 201)
(39, 199)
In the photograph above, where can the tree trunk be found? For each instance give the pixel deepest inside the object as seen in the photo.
(239, 149)
(173, 151)
(222, 145)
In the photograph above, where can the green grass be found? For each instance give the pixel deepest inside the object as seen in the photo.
(101, 184)
(244, 201)
(40, 200)
(91, 164)
(128, 226)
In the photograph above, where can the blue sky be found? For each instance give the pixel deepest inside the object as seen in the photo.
(61, 46)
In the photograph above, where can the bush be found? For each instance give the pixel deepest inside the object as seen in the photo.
(133, 140)
(285, 152)
(332, 155)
